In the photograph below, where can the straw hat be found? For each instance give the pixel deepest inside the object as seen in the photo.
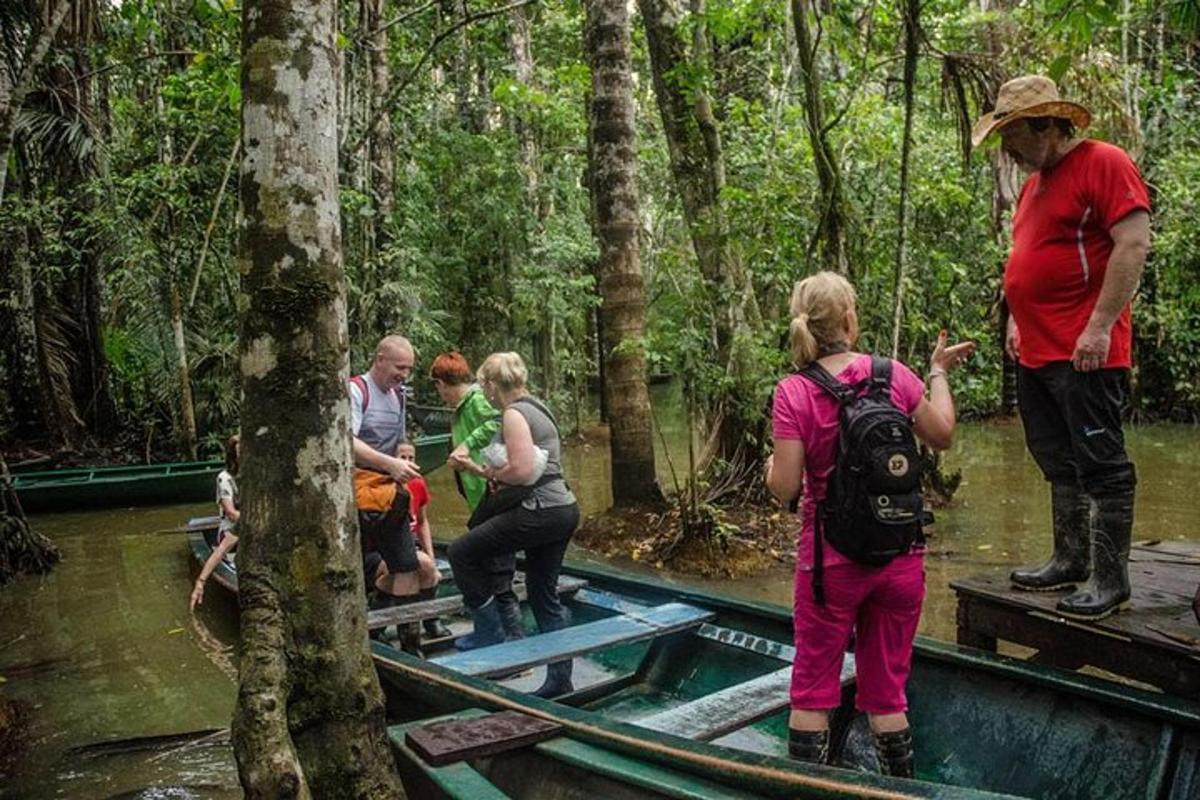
(1028, 96)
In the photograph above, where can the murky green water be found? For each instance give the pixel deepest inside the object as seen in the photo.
(104, 648)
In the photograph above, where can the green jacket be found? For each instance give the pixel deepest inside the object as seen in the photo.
(474, 424)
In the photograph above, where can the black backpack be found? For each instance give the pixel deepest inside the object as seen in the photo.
(873, 509)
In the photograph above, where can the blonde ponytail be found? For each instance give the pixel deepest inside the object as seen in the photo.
(820, 306)
(804, 344)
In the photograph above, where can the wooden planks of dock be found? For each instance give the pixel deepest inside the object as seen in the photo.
(1156, 640)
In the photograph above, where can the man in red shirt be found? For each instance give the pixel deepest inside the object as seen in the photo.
(1081, 234)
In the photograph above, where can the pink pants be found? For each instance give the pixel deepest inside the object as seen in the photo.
(882, 605)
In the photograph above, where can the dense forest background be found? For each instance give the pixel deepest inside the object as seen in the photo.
(829, 134)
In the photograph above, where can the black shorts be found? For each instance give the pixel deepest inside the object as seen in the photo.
(1073, 425)
(389, 536)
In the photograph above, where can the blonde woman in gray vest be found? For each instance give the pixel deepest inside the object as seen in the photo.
(529, 508)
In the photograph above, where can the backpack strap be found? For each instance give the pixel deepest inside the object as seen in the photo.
(881, 377)
(361, 383)
(820, 376)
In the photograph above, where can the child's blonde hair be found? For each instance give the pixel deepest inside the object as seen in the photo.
(506, 370)
(820, 305)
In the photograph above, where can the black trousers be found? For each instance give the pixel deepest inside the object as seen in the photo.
(1073, 426)
(542, 533)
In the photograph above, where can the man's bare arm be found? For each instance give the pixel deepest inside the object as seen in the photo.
(1131, 246)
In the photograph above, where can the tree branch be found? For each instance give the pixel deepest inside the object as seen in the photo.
(355, 144)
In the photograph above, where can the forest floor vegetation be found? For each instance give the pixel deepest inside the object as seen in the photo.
(745, 541)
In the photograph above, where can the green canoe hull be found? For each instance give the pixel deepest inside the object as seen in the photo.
(154, 484)
(985, 725)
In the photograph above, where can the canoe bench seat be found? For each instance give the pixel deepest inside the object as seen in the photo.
(451, 604)
(733, 708)
(507, 657)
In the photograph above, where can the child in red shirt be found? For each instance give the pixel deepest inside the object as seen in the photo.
(428, 574)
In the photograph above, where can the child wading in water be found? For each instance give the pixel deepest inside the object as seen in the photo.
(227, 507)
(881, 605)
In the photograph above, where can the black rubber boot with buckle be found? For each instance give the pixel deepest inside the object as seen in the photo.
(810, 746)
(1071, 512)
(1108, 589)
(895, 752)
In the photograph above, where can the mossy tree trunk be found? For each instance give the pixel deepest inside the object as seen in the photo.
(831, 229)
(310, 717)
(698, 168)
(613, 179)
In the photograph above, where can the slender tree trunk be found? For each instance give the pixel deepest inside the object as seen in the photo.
(310, 717)
(613, 181)
(187, 410)
(831, 227)
(24, 379)
(12, 97)
(912, 32)
(383, 171)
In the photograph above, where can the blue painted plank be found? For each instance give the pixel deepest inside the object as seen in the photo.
(648, 623)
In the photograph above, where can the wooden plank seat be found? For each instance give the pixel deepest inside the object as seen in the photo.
(509, 657)
(732, 708)
(451, 604)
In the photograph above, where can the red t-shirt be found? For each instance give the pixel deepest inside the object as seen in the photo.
(418, 494)
(1061, 248)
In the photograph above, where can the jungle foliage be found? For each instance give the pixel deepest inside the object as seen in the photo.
(473, 230)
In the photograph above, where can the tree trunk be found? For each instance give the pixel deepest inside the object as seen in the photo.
(522, 58)
(613, 182)
(310, 716)
(383, 171)
(23, 551)
(831, 227)
(697, 165)
(24, 380)
(187, 411)
(912, 30)
(12, 97)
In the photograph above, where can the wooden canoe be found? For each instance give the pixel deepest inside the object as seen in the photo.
(154, 484)
(682, 694)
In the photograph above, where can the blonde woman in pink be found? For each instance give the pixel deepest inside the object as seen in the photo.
(880, 604)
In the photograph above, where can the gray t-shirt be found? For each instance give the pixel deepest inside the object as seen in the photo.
(545, 435)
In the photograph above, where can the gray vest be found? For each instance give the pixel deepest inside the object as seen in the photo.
(545, 435)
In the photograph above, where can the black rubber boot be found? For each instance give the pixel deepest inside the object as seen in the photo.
(810, 746)
(558, 680)
(434, 628)
(510, 616)
(1071, 511)
(895, 752)
(1108, 589)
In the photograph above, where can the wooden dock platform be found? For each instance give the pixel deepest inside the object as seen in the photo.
(1155, 641)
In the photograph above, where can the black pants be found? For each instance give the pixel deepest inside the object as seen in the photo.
(1073, 426)
(542, 533)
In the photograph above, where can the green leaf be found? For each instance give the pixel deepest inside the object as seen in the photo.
(1058, 67)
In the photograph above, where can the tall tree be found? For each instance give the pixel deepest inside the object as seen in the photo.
(698, 168)
(831, 223)
(310, 717)
(613, 180)
(911, 11)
